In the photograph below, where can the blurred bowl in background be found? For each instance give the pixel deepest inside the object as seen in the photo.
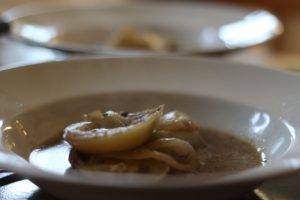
(92, 28)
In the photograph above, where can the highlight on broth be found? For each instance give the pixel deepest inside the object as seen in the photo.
(150, 141)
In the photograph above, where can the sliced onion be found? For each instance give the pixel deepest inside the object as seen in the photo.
(151, 154)
(172, 145)
(175, 121)
(105, 140)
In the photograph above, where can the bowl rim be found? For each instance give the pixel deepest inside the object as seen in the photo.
(10, 161)
(11, 17)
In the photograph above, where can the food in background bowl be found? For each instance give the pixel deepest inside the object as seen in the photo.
(133, 38)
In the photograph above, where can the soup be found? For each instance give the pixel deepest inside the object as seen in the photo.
(217, 157)
(174, 144)
(146, 141)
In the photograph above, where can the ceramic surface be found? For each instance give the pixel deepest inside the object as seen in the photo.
(257, 104)
(195, 27)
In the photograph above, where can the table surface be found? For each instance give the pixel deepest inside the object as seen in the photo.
(14, 52)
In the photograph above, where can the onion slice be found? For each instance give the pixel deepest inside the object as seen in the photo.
(85, 138)
(151, 154)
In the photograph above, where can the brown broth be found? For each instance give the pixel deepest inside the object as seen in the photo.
(221, 153)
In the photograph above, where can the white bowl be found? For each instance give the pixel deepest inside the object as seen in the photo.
(195, 27)
(253, 103)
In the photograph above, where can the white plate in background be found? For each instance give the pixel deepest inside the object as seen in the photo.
(195, 27)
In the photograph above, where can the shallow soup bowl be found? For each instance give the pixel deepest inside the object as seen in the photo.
(255, 104)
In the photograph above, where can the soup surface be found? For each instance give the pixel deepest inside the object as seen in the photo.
(146, 141)
(223, 153)
(174, 144)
